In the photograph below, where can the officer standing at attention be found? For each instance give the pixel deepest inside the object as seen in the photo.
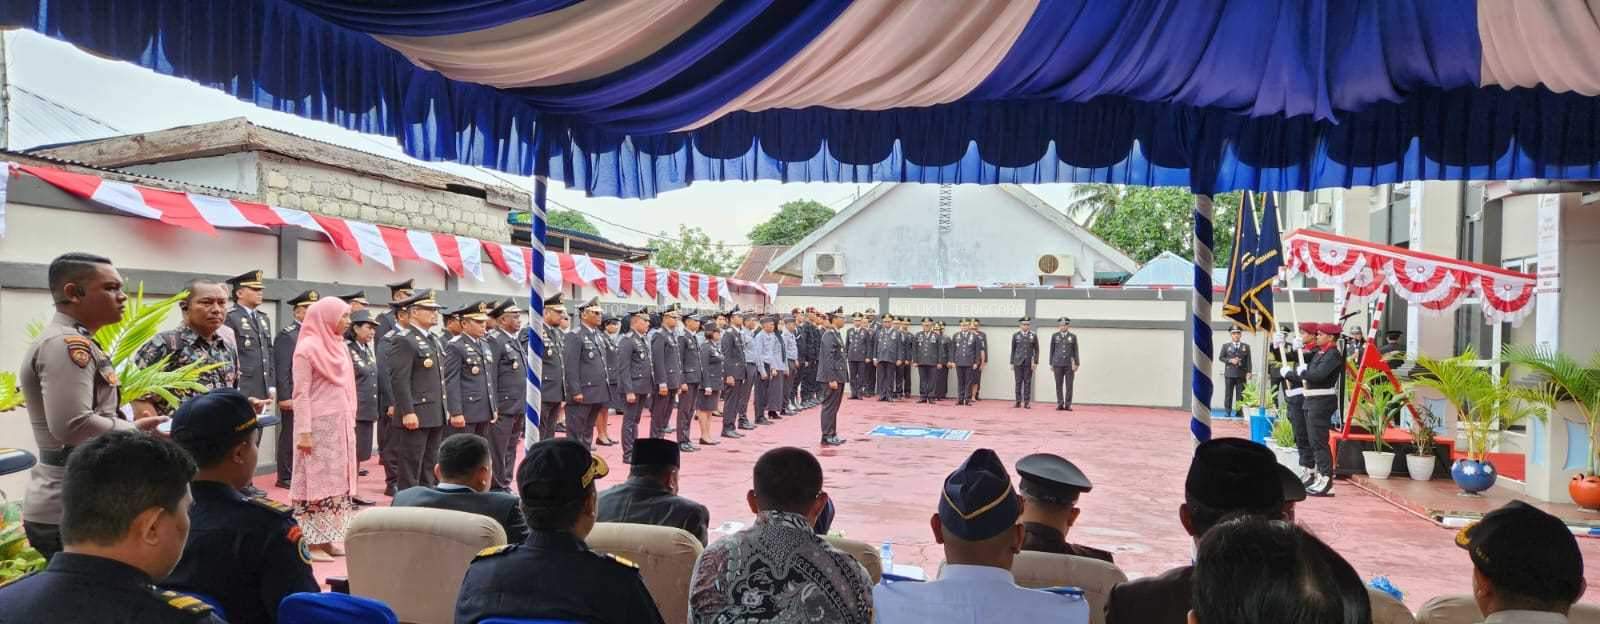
(416, 374)
(469, 374)
(1024, 357)
(1064, 362)
(587, 386)
(1323, 376)
(636, 377)
(553, 371)
(733, 365)
(245, 552)
(357, 300)
(886, 352)
(908, 355)
(929, 360)
(941, 377)
(283, 355)
(370, 393)
(70, 385)
(398, 291)
(858, 343)
(1235, 355)
(833, 372)
(1050, 486)
(252, 333)
(666, 364)
(689, 346)
(554, 575)
(511, 370)
(126, 516)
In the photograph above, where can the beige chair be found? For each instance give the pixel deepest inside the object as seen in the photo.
(413, 558)
(1093, 576)
(864, 554)
(1387, 610)
(1461, 609)
(665, 555)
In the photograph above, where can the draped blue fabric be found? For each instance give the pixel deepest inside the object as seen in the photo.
(428, 17)
(1381, 92)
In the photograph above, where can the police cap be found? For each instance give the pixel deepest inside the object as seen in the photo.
(558, 471)
(304, 299)
(508, 305)
(422, 299)
(359, 296)
(977, 502)
(395, 288)
(248, 279)
(1051, 478)
(362, 317)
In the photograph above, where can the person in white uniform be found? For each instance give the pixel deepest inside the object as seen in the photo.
(979, 525)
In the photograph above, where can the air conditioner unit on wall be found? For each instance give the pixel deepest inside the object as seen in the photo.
(1059, 265)
(827, 263)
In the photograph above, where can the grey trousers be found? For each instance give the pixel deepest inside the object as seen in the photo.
(965, 377)
(661, 411)
(1023, 375)
(549, 413)
(1064, 377)
(887, 373)
(831, 399)
(730, 403)
(686, 401)
(581, 418)
(631, 413)
(504, 436)
(762, 387)
(415, 453)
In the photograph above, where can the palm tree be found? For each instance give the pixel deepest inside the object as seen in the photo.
(1088, 202)
(1561, 377)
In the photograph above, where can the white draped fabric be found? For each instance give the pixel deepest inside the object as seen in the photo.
(1551, 42)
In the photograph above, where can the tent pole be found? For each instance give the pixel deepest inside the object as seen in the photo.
(1200, 304)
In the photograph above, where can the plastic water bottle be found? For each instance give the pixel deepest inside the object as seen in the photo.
(886, 553)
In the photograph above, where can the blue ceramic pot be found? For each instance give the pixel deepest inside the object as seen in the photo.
(1473, 476)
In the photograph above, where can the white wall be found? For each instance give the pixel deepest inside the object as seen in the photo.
(236, 172)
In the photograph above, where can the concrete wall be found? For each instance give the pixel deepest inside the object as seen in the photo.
(328, 190)
(1519, 234)
(238, 172)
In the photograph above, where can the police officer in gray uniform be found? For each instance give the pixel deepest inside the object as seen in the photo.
(733, 365)
(511, 370)
(469, 374)
(587, 386)
(552, 381)
(636, 377)
(967, 353)
(252, 335)
(689, 345)
(886, 354)
(369, 392)
(930, 361)
(858, 344)
(416, 375)
(1024, 357)
(1064, 362)
(398, 291)
(833, 371)
(666, 364)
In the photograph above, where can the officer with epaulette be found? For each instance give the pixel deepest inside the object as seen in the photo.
(978, 525)
(966, 352)
(283, 355)
(554, 575)
(398, 291)
(1051, 486)
(469, 374)
(1064, 362)
(666, 368)
(1323, 376)
(370, 390)
(908, 356)
(929, 360)
(886, 358)
(833, 373)
(1024, 358)
(510, 386)
(689, 341)
(941, 376)
(553, 375)
(244, 552)
(636, 377)
(124, 526)
(587, 384)
(735, 397)
(858, 343)
(252, 335)
(415, 364)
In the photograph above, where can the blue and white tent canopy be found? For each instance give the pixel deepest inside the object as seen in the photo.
(631, 98)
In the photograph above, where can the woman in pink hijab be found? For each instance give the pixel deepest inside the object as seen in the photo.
(325, 420)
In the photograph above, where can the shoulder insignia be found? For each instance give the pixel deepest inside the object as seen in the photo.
(494, 551)
(621, 560)
(272, 504)
(298, 538)
(184, 602)
(79, 349)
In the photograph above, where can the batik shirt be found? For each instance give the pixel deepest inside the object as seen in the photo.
(185, 347)
(778, 571)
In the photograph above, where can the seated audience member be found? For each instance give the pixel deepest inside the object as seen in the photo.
(650, 495)
(779, 570)
(553, 575)
(1526, 566)
(1051, 486)
(978, 524)
(824, 522)
(1252, 570)
(1227, 476)
(465, 470)
(125, 502)
(244, 552)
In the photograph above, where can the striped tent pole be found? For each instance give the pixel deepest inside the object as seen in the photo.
(536, 326)
(1200, 382)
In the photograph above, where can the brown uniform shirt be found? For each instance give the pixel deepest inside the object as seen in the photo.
(1043, 538)
(71, 389)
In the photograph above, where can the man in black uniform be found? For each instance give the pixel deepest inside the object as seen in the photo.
(886, 358)
(554, 575)
(587, 382)
(666, 365)
(1051, 486)
(252, 336)
(834, 373)
(1323, 376)
(469, 374)
(966, 353)
(398, 291)
(907, 356)
(1024, 357)
(510, 388)
(635, 377)
(941, 377)
(1235, 356)
(283, 358)
(929, 360)
(416, 375)
(810, 341)
(244, 552)
(650, 495)
(126, 518)
(553, 370)
(735, 397)
(371, 390)
(400, 317)
(1064, 362)
(689, 346)
(858, 343)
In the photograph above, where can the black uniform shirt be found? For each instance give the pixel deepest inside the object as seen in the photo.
(1044, 538)
(554, 576)
(247, 553)
(84, 589)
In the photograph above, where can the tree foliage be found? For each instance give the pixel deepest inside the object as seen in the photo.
(570, 220)
(1143, 222)
(795, 219)
(693, 250)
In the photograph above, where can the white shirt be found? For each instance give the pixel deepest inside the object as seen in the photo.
(968, 594)
(1526, 617)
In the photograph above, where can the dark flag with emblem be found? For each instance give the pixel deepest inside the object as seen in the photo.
(1241, 267)
(1267, 261)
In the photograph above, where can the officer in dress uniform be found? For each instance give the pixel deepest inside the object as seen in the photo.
(635, 376)
(511, 370)
(1323, 377)
(929, 361)
(941, 377)
(733, 365)
(469, 374)
(368, 389)
(283, 357)
(1235, 356)
(416, 375)
(666, 368)
(245, 552)
(1051, 486)
(871, 336)
(398, 291)
(886, 354)
(554, 575)
(587, 379)
(1024, 358)
(357, 300)
(1064, 362)
(553, 369)
(401, 317)
(964, 356)
(252, 335)
(1284, 367)
(689, 347)
(833, 372)
(858, 344)
(908, 356)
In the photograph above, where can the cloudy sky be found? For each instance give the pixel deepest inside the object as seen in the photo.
(145, 101)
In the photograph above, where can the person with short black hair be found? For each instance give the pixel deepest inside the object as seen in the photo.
(126, 517)
(1254, 570)
(466, 471)
(1526, 566)
(779, 569)
(553, 574)
(244, 552)
(650, 495)
(197, 340)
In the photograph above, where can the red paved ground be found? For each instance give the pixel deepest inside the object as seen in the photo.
(887, 488)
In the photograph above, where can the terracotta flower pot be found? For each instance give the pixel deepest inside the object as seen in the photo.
(1585, 491)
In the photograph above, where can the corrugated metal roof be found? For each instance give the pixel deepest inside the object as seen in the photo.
(38, 120)
(1170, 269)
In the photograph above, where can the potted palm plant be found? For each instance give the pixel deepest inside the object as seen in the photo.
(1560, 377)
(1281, 441)
(1484, 405)
(1420, 461)
(1380, 409)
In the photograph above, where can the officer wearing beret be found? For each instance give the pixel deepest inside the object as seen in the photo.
(398, 291)
(511, 370)
(977, 523)
(283, 358)
(1526, 566)
(416, 375)
(1024, 358)
(650, 495)
(1323, 376)
(554, 575)
(245, 552)
(1051, 485)
(252, 335)
(1064, 362)
(469, 374)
